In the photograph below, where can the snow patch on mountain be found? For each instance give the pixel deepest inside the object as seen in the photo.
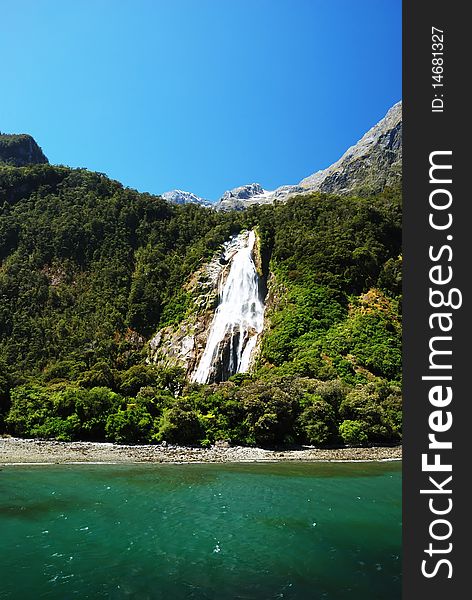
(182, 197)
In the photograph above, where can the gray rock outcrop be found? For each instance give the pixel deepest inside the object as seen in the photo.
(368, 166)
(183, 345)
(241, 197)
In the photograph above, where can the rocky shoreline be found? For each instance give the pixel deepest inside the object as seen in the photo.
(30, 451)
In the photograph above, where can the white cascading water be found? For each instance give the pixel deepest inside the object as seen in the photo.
(239, 317)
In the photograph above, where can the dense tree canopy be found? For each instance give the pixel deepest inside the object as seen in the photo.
(89, 270)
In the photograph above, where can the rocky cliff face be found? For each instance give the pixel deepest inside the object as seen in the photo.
(368, 166)
(365, 168)
(20, 150)
(183, 345)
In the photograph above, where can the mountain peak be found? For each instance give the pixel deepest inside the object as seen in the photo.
(20, 150)
(371, 164)
(183, 197)
(242, 196)
(243, 192)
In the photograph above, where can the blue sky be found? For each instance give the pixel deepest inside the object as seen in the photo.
(201, 95)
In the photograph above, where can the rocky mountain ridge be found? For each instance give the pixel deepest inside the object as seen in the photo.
(367, 167)
(370, 165)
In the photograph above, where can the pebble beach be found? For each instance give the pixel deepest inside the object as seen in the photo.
(31, 451)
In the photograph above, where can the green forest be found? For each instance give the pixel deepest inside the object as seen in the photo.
(90, 270)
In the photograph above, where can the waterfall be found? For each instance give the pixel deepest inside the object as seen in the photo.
(238, 319)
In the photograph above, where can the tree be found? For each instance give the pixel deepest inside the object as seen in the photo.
(270, 414)
(318, 422)
(137, 377)
(130, 426)
(93, 408)
(180, 424)
(352, 433)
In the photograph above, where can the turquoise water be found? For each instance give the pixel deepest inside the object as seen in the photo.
(304, 531)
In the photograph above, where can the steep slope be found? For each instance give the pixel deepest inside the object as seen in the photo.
(368, 166)
(88, 266)
(20, 150)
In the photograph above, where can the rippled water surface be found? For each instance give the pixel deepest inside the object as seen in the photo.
(306, 531)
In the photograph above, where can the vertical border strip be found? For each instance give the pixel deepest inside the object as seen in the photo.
(436, 73)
